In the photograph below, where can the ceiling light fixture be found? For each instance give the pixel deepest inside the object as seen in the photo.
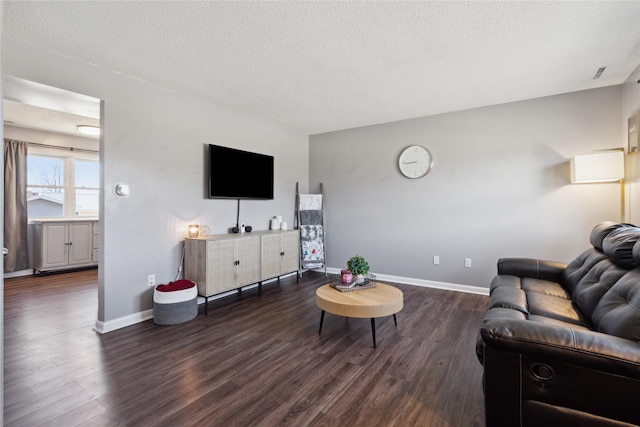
(89, 130)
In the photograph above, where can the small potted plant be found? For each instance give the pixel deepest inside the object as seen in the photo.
(359, 267)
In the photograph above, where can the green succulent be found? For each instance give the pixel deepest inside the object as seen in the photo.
(358, 265)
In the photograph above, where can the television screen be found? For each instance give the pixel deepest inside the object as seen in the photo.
(237, 174)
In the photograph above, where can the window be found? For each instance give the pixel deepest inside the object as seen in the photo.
(62, 184)
(87, 187)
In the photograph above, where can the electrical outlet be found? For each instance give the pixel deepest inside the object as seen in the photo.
(436, 260)
(467, 262)
(151, 280)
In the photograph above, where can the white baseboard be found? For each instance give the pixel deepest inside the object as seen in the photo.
(19, 273)
(122, 322)
(132, 319)
(425, 283)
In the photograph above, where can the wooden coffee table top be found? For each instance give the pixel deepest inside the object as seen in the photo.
(383, 300)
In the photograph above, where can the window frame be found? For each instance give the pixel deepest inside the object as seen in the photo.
(68, 157)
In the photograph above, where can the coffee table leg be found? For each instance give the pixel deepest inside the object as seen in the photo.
(321, 320)
(373, 330)
(395, 320)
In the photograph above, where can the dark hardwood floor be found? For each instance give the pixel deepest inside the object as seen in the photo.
(253, 361)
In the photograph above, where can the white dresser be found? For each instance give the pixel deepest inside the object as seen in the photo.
(65, 244)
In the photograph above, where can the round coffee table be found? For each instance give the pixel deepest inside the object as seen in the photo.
(383, 300)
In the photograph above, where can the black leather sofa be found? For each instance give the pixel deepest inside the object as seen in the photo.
(560, 344)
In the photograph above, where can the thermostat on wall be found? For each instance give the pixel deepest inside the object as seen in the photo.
(122, 190)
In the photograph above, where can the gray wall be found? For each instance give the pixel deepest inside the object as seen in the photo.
(499, 187)
(154, 140)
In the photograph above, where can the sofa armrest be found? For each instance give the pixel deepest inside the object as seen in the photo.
(589, 349)
(529, 267)
(547, 374)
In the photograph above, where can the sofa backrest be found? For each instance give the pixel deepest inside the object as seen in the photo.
(602, 230)
(595, 272)
(618, 246)
(618, 311)
(578, 268)
(590, 289)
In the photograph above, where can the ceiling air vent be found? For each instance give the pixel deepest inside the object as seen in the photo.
(599, 73)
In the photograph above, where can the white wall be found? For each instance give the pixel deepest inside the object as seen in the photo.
(155, 140)
(499, 187)
(630, 105)
(2, 229)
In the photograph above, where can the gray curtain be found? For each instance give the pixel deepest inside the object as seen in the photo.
(15, 205)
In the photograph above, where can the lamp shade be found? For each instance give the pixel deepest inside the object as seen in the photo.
(606, 166)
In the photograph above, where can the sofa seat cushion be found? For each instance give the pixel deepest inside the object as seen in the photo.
(545, 287)
(556, 322)
(555, 308)
(509, 297)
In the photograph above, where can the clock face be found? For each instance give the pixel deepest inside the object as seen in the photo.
(415, 161)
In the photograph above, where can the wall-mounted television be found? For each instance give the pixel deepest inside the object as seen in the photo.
(237, 174)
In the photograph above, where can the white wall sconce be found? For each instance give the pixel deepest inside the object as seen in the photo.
(122, 190)
(605, 166)
(602, 166)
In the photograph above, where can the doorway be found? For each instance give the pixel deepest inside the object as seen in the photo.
(63, 181)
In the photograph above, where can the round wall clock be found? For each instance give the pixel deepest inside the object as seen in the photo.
(415, 161)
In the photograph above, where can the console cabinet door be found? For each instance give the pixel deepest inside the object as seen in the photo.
(220, 266)
(52, 245)
(248, 257)
(290, 251)
(80, 243)
(270, 256)
(279, 254)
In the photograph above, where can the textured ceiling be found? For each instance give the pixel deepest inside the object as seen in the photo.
(324, 66)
